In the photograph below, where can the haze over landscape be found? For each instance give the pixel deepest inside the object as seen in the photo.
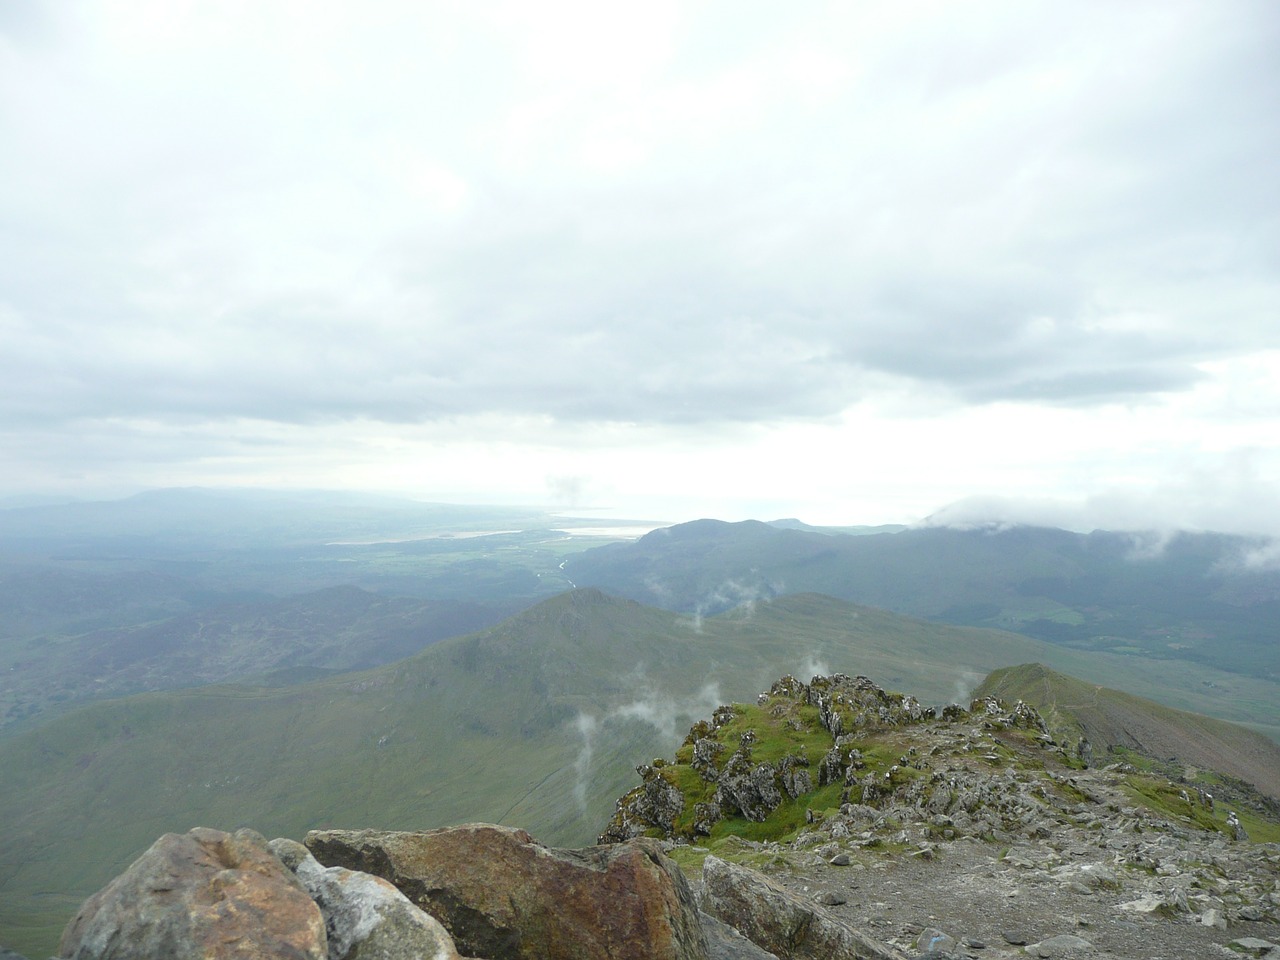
(419, 413)
(848, 262)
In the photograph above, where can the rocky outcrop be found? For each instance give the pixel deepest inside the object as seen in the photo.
(656, 804)
(365, 917)
(204, 894)
(780, 922)
(503, 896)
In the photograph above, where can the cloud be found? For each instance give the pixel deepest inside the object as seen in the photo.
(1233, 494)
(685, 219)
(670, 717)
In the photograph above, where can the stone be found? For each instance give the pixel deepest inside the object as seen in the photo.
(1014, 937)
(839, 860)
(1213, 918)
(205, 894)
(933, 940)
(656, 803)
(1252, 946)
(726, 943)
(1235, 827)
(831, 898)
(502, 895)
(749, 789)
(365, 917)
(1150, 903)
(780, 922)
(1063, 945)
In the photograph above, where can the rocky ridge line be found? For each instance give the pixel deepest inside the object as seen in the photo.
(918, 818)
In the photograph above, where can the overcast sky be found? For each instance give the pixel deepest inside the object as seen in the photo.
(856, 262)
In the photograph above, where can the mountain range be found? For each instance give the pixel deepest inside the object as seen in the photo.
(537, 721)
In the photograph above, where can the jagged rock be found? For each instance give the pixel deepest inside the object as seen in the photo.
(204, 894)
(502, 895)
(795, 779)
(750, 790)
(365, 917)
(654, 805)
(705, 753)
(705, 816)
(781, 923)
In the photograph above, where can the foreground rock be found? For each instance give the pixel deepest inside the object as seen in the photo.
(502, 895)
(781, 922)
(365, 917)
(205, 894)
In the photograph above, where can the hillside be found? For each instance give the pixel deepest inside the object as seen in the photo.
(1192, 597)
(268, 640)
(536, 722)
(1111, 719)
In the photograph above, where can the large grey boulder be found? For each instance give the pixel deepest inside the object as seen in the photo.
(366, 917)
(504, 896)
(780, 922)
(204, 894)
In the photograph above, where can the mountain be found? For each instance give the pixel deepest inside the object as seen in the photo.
(1202, 598)
(536, 722)
(966, 831)
(827, 819)
(1112, 720)
(275, 640)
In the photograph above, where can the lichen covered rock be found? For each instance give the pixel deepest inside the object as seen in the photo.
(504, 896)
(205, 894)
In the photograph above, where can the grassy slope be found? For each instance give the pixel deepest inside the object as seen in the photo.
(1112, 718)
(536, 722)
(274, 640)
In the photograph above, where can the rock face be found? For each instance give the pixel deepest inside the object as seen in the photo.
(205, 894)
(503, 896)
(780, 922)
(365, 917)
(748, 787)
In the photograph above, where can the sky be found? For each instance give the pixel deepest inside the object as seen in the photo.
(851, 262)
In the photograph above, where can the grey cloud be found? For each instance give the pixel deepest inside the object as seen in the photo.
(934, 219)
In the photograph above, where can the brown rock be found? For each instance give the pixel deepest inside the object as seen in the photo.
(503, 896)
(779, 921)
(204, 894)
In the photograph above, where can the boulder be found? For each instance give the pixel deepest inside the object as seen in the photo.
(503, 896)
(780, 922)
(203, 894)
(726, 943)
(365, 917)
